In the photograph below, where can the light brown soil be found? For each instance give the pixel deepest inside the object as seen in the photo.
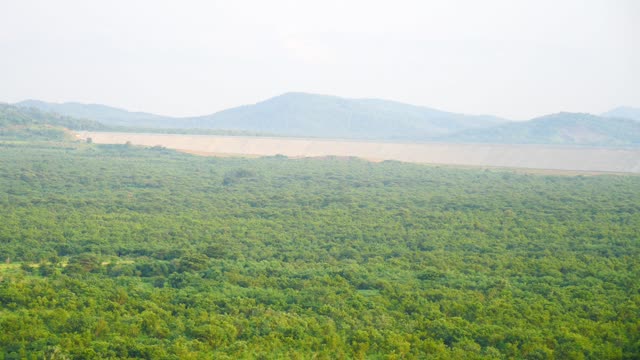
(555, 158)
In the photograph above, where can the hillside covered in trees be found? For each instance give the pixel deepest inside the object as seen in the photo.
(123, 252)
(313, 115)
(31, 124)
(11, 115)
(560, 129)
(625, 112)
(296, 114)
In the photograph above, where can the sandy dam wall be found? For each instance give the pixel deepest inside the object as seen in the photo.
(513, 156)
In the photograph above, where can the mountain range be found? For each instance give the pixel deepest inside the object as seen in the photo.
(106, 115)
(626, 112)
(18, 116)
(296, 114)
(562, 129)
(302, 114)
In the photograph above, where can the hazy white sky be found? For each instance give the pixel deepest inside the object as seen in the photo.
(516, 59)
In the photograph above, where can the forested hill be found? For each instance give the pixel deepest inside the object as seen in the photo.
(297, 114)
(106, 115)
(302, 114)
(311, 115)
(12, 116)
(561, 128)
(18, 123)
(626, 112)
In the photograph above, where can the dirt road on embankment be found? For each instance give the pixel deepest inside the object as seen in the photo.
(563, 158)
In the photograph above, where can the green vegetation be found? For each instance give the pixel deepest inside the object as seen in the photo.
(13, 116)
(18, 123)
(295, 114)
(40, 123)
(34, 132)
(301, 114)
(106, 115)
(122, 252)
(310, 115)
(561, 129)
(188, 131)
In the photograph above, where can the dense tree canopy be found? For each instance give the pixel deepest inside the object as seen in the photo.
(121, 252)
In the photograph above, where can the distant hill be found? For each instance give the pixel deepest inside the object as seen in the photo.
(11, 115)
(301, 114)
(297, 114)
(106, 115)
(18, 123)
(311, 115)
(624, 112)
(561, 128)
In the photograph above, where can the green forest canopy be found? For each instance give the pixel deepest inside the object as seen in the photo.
(122, 252)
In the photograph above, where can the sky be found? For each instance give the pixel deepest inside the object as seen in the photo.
(515, 59)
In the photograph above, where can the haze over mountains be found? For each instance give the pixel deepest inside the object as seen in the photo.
(106, 115)
(626, 112)
(301, 114)
(16, 116)
(296, 114)
(561, 128)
